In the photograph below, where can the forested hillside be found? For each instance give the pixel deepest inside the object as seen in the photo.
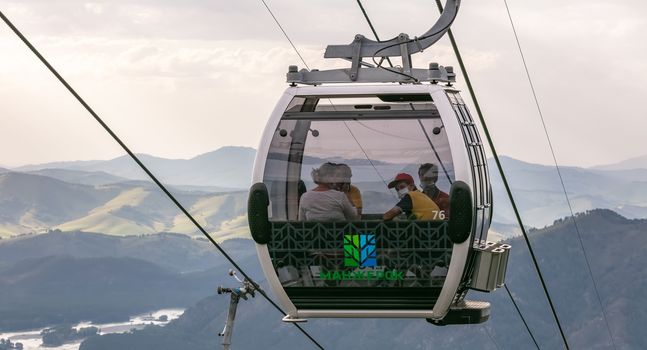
(613, 244)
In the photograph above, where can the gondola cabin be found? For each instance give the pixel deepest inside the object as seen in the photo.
(409, 162)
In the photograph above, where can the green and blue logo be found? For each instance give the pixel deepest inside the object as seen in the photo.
(359, 251)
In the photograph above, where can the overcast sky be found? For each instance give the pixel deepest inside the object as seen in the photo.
(180, 78)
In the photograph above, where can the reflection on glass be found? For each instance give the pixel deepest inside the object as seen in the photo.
(359, 194)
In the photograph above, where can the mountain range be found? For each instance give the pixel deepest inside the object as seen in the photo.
(63, 199)
(627, 164)
(65, 278)
(114, 197)
(227, 167)
(614, 246)
(35, 203)
(541, 199)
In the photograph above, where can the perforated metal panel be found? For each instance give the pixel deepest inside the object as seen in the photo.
(418, 249)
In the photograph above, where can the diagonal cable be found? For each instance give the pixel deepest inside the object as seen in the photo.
(504, 180)
(370, 24)
(144, 168)
(523, 319)
(458, 55)
(333, 106)
(284, 33)
(559, 173)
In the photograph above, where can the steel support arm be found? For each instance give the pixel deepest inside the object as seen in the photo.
(390, 48)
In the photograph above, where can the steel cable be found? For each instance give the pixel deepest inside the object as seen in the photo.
(559, 173)
(504, 180)
(145, 169)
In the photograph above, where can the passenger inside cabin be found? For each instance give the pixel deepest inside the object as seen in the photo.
(413, 203)
(353, 193)
(428, 174)
(325, 202)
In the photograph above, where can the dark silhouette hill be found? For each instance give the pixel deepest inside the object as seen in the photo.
(65, 290)
(174, 252)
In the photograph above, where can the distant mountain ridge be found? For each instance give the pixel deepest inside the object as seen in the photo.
(540, 197)
(537, 190)
(227, 167)
(639, 162)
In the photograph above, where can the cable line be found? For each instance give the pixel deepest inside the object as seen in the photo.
(144, 168)
(504, 180)
(559, 173)
(523, 319)
(458, 55)
(284, 33)
(487, 331)
(370, 24)
(333, 106)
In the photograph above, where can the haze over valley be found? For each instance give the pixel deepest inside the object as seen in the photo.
(95, 240)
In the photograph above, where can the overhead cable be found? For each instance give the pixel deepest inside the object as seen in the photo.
(504, 180)
(370, 24)
(424, 131)
(456, 50)
(559, 173)
(144, 168)
(284, 33)
(523, 319)
(333, 106)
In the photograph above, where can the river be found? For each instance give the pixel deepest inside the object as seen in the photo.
(31, 340)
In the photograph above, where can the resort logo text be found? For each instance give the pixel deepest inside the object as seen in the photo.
(360, 253)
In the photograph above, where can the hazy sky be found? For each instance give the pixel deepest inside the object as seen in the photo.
(180, 78)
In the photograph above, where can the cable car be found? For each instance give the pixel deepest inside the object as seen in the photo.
(371, 193)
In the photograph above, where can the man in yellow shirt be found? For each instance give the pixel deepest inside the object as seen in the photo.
(415, 204)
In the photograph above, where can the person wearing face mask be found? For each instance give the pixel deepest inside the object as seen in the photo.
(413, 203)
(428, 174)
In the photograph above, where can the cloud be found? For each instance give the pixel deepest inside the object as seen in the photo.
(584, 57)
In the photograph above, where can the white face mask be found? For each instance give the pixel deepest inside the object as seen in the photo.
(403, 191)
(425, 183)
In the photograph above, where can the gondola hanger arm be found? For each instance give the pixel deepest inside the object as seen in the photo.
(402, 46)
(390, 48)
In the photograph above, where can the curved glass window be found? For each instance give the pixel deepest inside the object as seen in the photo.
(376, 140)
(371, 141)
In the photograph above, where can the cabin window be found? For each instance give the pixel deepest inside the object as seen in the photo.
(377, 137)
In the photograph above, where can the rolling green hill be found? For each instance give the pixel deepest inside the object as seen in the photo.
(32, 203)
(92, 178)
(136, 206)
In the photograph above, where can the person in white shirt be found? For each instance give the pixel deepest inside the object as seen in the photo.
(324, 202)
